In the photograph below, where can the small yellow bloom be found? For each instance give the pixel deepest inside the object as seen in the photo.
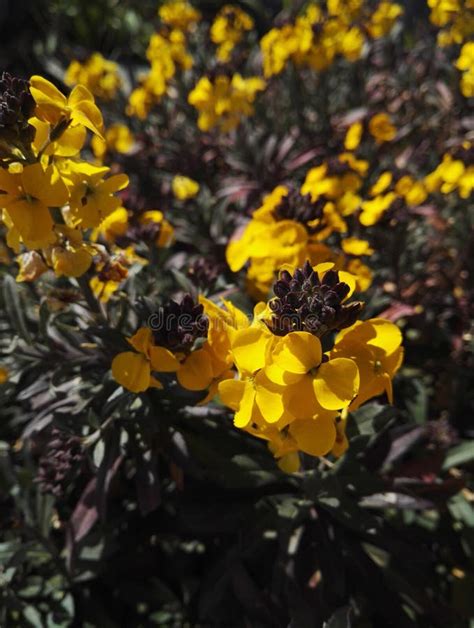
(184, 188)
(353, 136)
(375, 347)
(224, 101)
(91, 196)
(78, 109)
(98, 74)
(71, 260)
(166, 230)
(118, 138)
(133, 370)
(228, 28)
(382, 183)
(26, 198)
(383, 19)
(373, 210)
(354, 246)
(179, 14)
(113, 226)
(381, 128)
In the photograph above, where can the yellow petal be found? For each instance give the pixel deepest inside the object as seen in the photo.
(141, 340)
(336, 383)
(231, 392)
(387, 335)
(196, 371)
(298, 352)
(44, 92)
(249, 349)
(163, 360)
(246, 410)
(314, 436)
(290, 463)
(132, 371)
(269, 399)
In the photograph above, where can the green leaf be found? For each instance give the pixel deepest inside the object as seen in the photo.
(15, 308)
(459, 455)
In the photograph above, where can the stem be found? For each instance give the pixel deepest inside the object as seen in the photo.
(92, 302)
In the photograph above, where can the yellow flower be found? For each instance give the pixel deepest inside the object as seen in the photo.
(26, 197)
(113, 226)
(140, 102)
(467, 84)
(373, 210)
(207, 367)
(446, 177)
(179, 14)
(297, 361)
(228, 28)
(381, 128)
(178, 50)
(353, 136)
(375, 345)
(91, 197)
(166, 231)
(382, 183)
(184, 187)
(253, 397)
(118, 138)
(72, 260)
(414, 192)
(224, 101)
(133, 370)
(69, 143)
(354, 246)
(98, 74)
(465, 62)
(277, 46)
(383, 19)
(78, 108)
(351, 44)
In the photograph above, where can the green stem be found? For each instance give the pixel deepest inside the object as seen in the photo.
(92, 302)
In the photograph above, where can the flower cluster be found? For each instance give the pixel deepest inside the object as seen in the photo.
(179, 14)
(322, 33)
(222, 100)
(292, 226)
(48, 195)
(228, 29)
(465, 63)
(187, 338)
(167, 51)
(454, 18)
(294, 382)
(62, 212)
(100, 76)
